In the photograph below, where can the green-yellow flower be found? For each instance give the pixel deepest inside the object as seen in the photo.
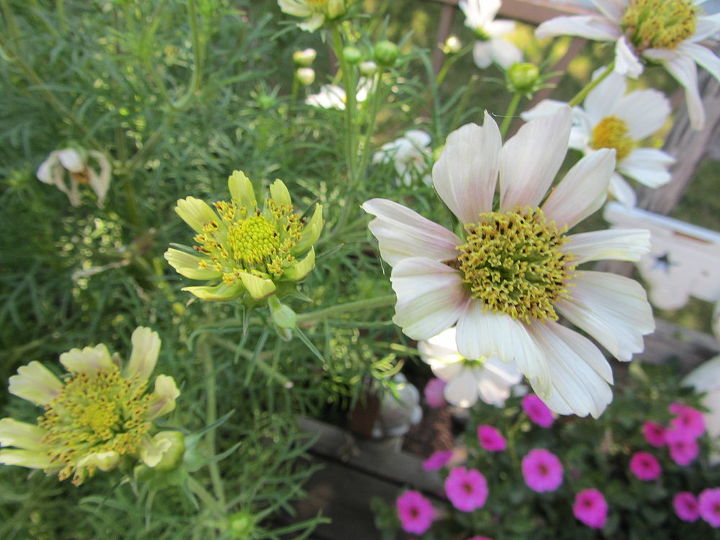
(98, 413)
(315, 12)
(243, 249)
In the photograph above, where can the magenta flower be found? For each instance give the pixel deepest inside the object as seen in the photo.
(654, 434)
(415, 512)
(687, 419)
(466, 488)
(591, 508)
(538, 412)
(542, 470)
(686, 506)
(709, 505)
(683, 447)
(434, 392)
(645, 466)
(437, 460)
(491, 439)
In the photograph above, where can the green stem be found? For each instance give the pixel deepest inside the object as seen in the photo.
(580, 96)
(350, 103)
(204, 495)
(211, 416)
(368, 303)
(510, 113)
(198, 58)
(374, 105)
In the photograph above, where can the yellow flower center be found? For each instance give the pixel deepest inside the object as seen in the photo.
(512, 262)
(659, 24)
(95, 413)
(250, 240)
(612, 132)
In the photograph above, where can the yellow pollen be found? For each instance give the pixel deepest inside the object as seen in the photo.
(253, 240)
(512, 262)
(612, 132)
(659, 24)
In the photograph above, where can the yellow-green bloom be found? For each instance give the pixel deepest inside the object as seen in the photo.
(315, 12)
(98, 413)
(243, 249)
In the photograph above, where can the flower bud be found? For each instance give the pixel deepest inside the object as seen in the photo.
(386, 52)
(305, 75)
(282, 315)
(304, 58)
(173, 444)
(240, 524)
(522, 77)
(352, 55)
(452, 45)
(335, 8)
(368, 68)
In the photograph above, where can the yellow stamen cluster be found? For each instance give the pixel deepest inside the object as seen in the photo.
(250, 240)
(512, 262)
(659, 24)
(612, 132)
(94, 413)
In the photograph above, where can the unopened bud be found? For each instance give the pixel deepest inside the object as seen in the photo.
(368, 68)
(352, 55)
(282, 315)
(386, 52)
(173, 449)
(452, 45)
(304, 58)
(305, 75)
(522, 77)
(336, 8)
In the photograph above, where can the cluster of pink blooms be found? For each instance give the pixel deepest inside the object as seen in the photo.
(690, 508)
(680, 436)
(434, 392)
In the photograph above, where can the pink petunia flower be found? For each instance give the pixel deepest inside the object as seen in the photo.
(686, 506)
(591, 508)
(437, 460)
(433, 392)
(709, 505)
(491, 439)
(645, 466)
(542, 470)
(415, 512)
(654, 434)
(689, 420)
(538, 412)
(683, 447)
(466, 488)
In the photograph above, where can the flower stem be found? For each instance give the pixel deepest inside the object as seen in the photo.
(368, 303)
(211, 416)
(580, 96)
(510, 113)
(350, 104)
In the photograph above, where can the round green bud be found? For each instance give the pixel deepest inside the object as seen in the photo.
(282, 315)
(305, 75)
(240, 524)
(304, 58)
(452, 45)
(352, 55)
(173, 444)
(385, 53)
(522, 77)
(368, 68)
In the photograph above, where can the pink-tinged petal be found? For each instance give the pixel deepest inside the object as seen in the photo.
(626, 61)
(582, 191)
(505, 53)
(530, 160)
(703, 56)
(431, 297)
(466, 173)
(644, 112)
(579, 373)
(587, 26)
(613, 309)
(612, 9)
(621, 191)
(483, 334)
(35, 383)
(609, 244)
(403, 233)
(648, 166)
(482, 54)
(603, 98)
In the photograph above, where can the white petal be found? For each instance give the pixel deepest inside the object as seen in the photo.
(313, 23)
(162, 400)
(145, 351)
(495, 380)
(644, 111)
(587, 26)
(71, 160)
(100, 183)
(445, 370)
(21, 434)
(547, 107)
(609, 244)
(418, 138)
(466, 173)
(293, 7)
(431, 297)
(440, 346)
(505, 53)
(462, 391)
(612, 309)
(35, 383)
(621, 191)
(499, 27)
(482, 54)
(612, 9)
(49, 170)
(703, 56)
(706, 27)
(582, 191)
(626, 61)
(87, 360)
(648, 166)
(403, 233)
(530, 160)
(601, 99)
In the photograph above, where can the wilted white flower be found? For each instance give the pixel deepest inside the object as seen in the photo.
(397, 414)
(490, 46)
(77, 164)
(409, 154)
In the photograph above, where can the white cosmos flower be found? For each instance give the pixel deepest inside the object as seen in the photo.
(76, 164)
(666, 31)
(490, 46)
(490, 379)
(513, 270)
(409, 155)
(612, 119)
(315, 12)
(332, 96)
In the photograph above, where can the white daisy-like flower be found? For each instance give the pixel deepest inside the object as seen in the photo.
(489, 380)
(610, 118)
(490, 46)
(513, 270)
(77, 165)
(315, 12)
(409, 155)
(332, 96)
(665, 31)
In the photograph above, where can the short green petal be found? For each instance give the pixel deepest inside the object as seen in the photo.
(279, 193)
(145, 351)
(301, 268)
(21, 435)
(241, 190)
(87, 360)
(311, 232)
(35, 383)
(195, 213)
(163, 397)
(104, 461)
(216, 293)
(152, 450)
(189, 265)
(257, 287)
(32, 459)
